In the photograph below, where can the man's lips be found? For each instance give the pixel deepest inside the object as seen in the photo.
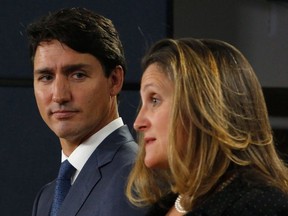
(63, 114)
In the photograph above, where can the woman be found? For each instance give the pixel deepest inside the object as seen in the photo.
(205, 138)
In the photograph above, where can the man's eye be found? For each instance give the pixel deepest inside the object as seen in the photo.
(78, 75)
(45, 78)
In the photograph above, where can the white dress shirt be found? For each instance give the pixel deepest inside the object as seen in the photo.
(81, 154)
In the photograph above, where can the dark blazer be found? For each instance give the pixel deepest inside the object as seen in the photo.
(99, 187)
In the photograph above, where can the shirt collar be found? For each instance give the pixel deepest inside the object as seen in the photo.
(81, 154)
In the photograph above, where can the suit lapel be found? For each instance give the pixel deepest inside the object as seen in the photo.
(85, 182)
(90, 174)
(44, 200)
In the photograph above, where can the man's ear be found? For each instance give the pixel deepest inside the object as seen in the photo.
(116, 80)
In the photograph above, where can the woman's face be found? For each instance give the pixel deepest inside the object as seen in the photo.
(153, 118)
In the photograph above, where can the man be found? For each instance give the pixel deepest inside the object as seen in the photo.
(79, 69)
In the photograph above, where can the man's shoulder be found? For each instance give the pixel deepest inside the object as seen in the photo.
(121, 140)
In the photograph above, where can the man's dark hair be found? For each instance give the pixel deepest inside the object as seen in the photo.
(83, 31)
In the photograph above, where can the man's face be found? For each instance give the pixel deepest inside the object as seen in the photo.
(72, 93)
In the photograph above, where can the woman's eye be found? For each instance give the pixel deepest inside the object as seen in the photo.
(155, 101)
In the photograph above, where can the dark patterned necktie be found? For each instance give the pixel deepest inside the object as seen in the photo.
(63, 184)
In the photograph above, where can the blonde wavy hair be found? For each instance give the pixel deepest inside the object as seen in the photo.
(219, 119)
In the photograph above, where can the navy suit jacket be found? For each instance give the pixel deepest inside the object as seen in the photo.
(99, 187)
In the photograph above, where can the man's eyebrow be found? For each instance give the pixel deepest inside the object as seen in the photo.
(74, 67)
(65, 69)
(43, 70)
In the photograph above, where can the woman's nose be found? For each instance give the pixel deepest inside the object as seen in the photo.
(141, 122)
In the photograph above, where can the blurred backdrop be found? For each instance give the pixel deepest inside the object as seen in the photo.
(30, 152)
(259, 29)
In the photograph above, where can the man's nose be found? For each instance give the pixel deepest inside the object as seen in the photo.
(61, 90)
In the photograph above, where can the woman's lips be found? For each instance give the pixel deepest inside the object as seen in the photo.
(149, 140)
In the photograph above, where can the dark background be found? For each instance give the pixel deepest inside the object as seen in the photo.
(259, 29)
(30, 152)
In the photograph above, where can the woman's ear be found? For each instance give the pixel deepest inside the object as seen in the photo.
(117, 79)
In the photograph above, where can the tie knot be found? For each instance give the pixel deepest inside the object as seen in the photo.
(66, 170)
